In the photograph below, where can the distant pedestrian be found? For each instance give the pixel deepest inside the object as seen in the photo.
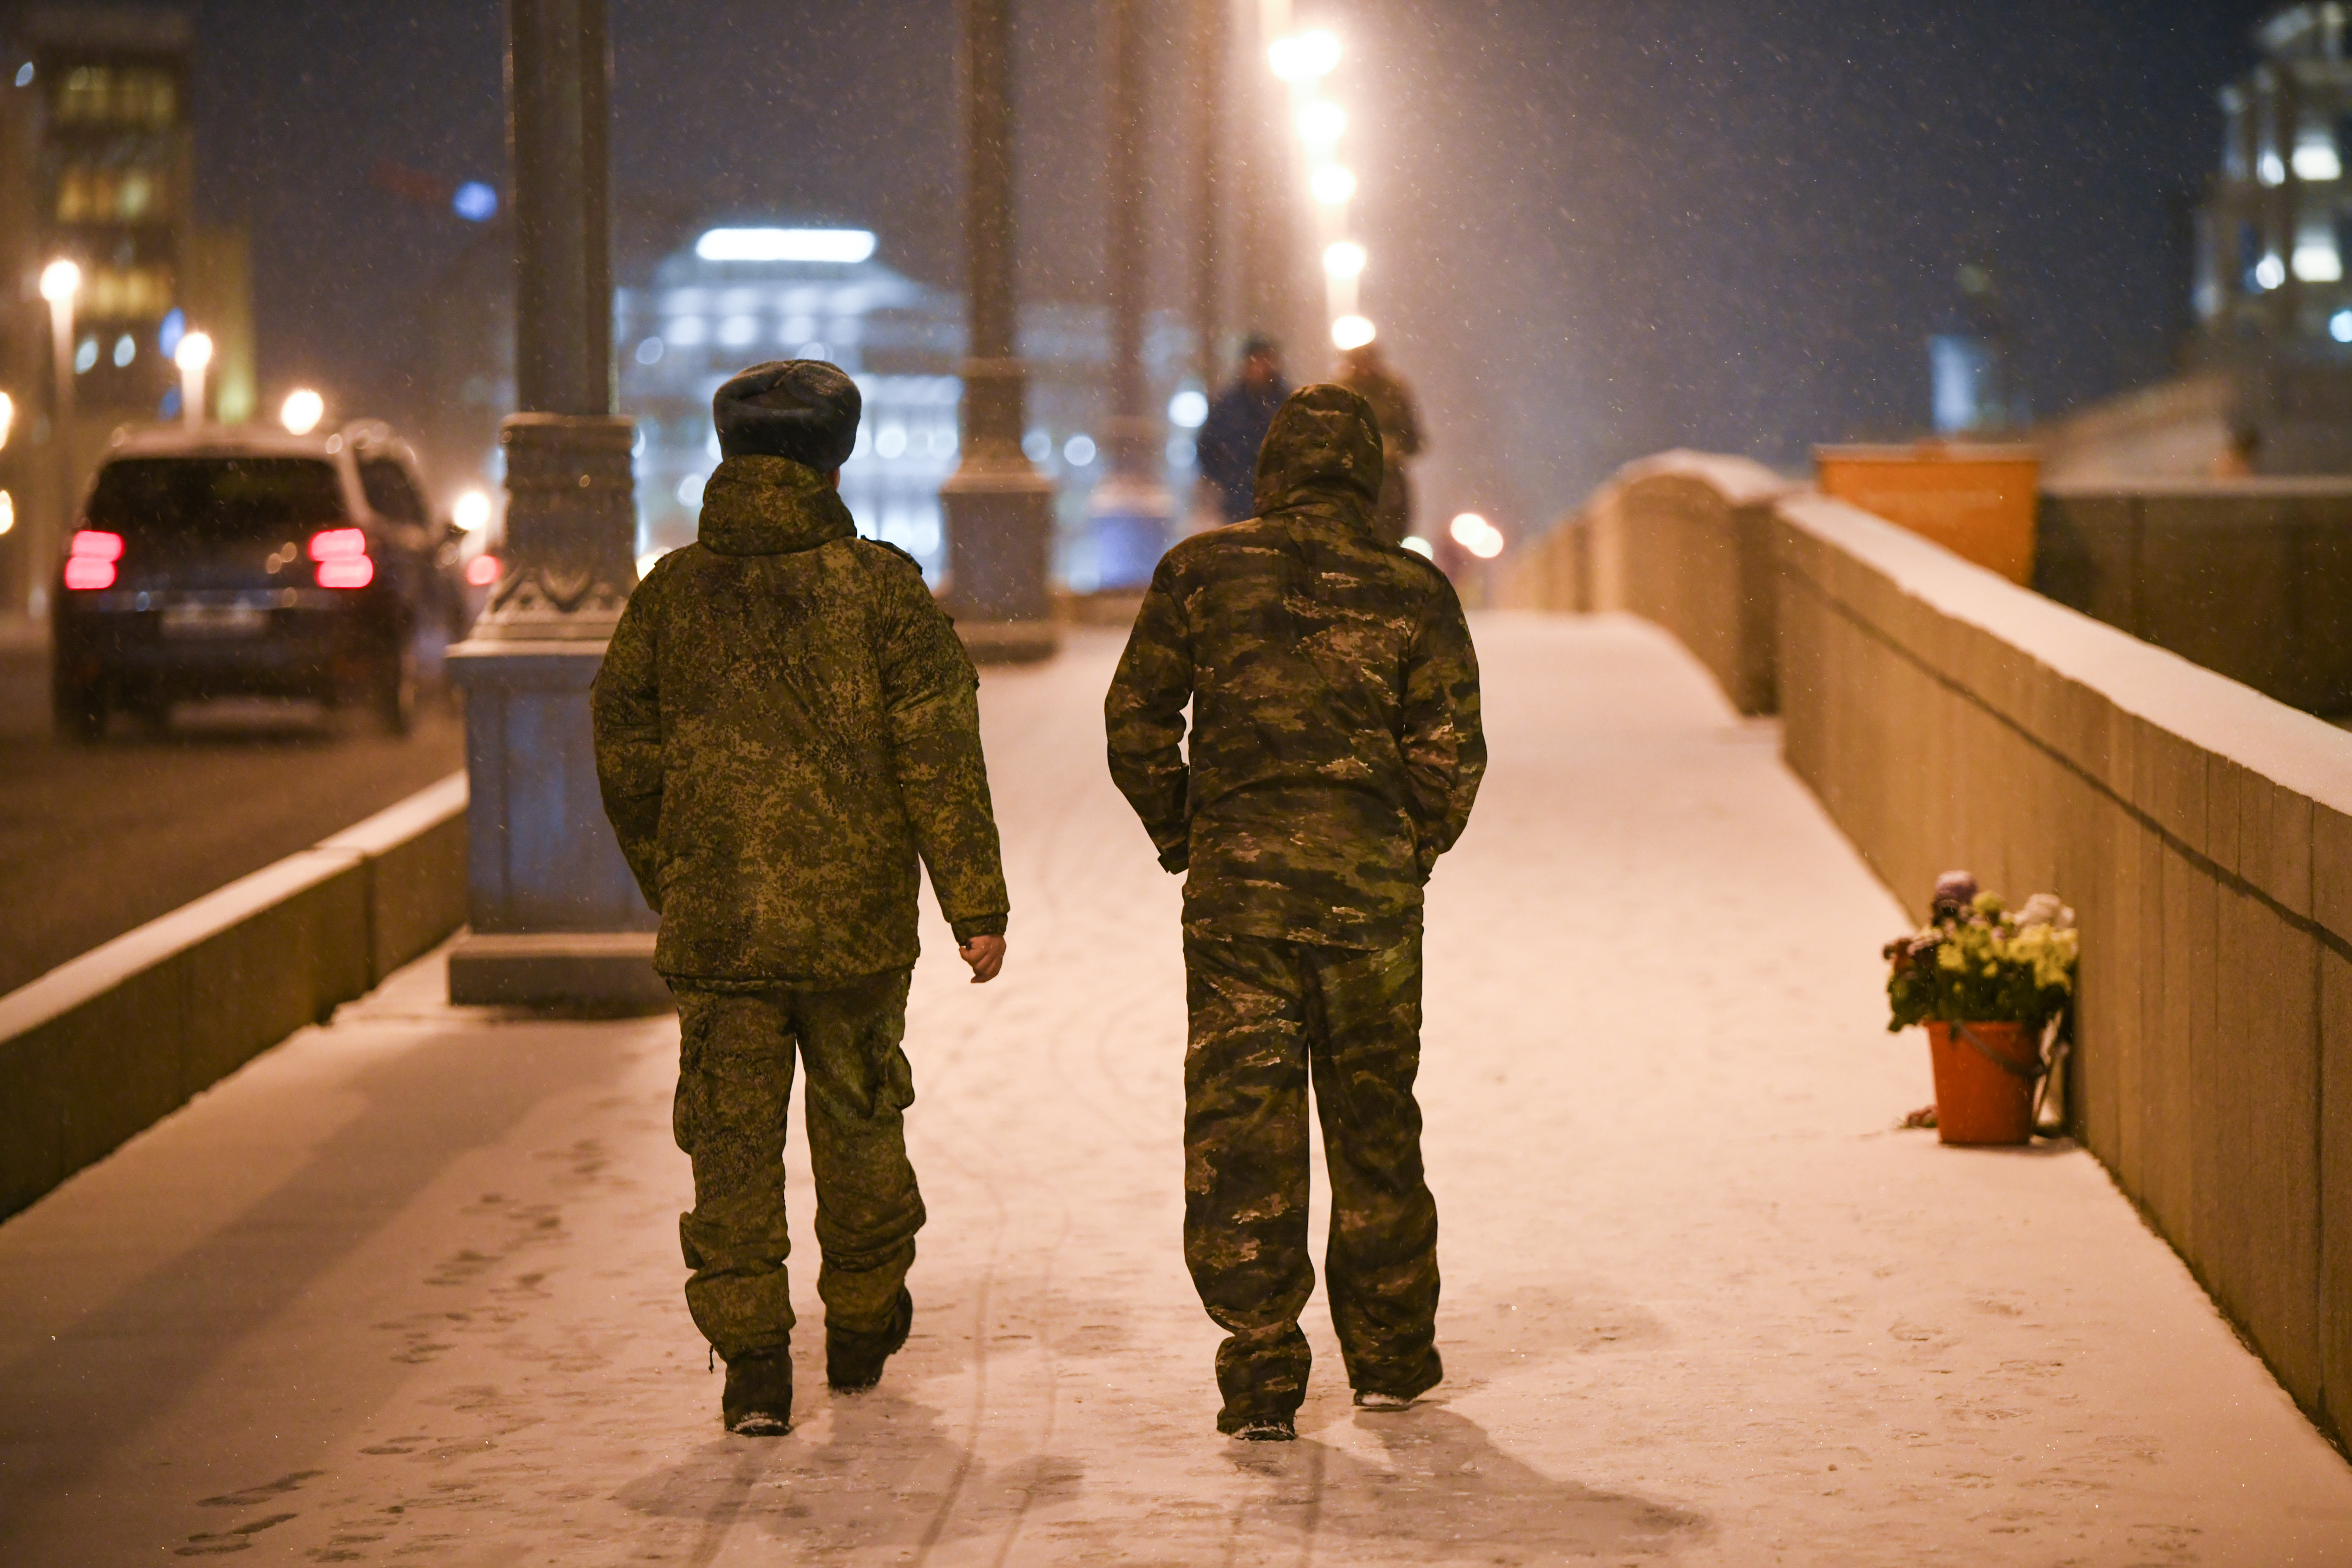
(1236, 426)
(1334, 754)
(1365, 371)
(786, 725)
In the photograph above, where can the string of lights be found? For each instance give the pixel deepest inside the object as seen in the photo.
(1302, 61)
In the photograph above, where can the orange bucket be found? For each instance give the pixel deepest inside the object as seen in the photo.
(1986, 1074)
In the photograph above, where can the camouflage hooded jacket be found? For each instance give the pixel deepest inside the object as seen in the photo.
(1335, 746)
(785, 722)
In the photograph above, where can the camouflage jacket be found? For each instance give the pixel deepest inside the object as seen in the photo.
(1335, 744)
(784, 723)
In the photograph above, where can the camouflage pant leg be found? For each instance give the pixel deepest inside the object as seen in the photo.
(1380, 1267)
(734, 1086)
(1262, 1011)
(859, 1086)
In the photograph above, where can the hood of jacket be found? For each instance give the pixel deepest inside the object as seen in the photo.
(1324, 447)
(771, 505)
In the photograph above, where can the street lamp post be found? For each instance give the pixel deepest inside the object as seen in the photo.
(999, 508)
(193, 356)
(556, 916)
(1131, 506)
(60, 283)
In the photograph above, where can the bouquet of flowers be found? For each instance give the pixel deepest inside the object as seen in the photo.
(1978, 961)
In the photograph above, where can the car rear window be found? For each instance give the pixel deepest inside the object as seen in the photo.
(215, 500)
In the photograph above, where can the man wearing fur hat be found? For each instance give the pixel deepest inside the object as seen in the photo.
(786, 725)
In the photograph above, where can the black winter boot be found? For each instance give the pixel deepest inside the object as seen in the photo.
(757, 1401)
(853, 1362)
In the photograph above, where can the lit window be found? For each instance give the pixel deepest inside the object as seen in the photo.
(2339, 326)
(126, 348)
(739, 331)
(2317, 161)
(1037, 445)
(686, 331)
(86, 354)
(2270, 170)
(890, 442)
(2316, 260)
(2270, 272)
(1078, 451)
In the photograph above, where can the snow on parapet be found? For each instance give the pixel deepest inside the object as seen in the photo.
(1740, 481)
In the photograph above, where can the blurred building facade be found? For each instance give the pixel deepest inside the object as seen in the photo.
(2273, 291)
(2266, 386)
(97, 168)
(689, 316)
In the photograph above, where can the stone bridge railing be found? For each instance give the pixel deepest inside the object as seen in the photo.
(2203, 831)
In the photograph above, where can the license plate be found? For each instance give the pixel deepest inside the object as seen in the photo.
(214, 620)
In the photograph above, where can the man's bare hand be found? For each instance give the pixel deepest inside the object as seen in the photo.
(986, 957)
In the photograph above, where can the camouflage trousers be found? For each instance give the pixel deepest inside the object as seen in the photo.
(734, 1086)
(1268, 1015)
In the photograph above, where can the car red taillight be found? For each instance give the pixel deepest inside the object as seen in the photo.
(90, 564)
(482, 570)
(343, 557)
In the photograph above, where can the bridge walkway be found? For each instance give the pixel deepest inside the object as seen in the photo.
(407, 1287)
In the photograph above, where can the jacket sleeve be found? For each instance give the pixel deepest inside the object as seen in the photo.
(1444, 748)
(1144, 718)
(930, 696)
(625, 707)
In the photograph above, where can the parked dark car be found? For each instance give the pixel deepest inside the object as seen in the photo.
(236, 561)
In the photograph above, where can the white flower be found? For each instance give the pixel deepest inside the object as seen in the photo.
(2043, 909)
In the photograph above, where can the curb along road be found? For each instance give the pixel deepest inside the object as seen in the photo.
(103, 1046)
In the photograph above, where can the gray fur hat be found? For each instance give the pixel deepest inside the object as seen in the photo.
(805, 410)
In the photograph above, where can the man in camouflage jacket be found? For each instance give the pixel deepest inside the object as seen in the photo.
(785, 724)
(1335, 752)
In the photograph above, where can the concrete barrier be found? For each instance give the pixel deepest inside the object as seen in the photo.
(104, 1046)
(1684, 539)
(2203, 831)
(2251, 578)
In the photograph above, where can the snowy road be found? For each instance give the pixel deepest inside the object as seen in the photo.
(407, 1287)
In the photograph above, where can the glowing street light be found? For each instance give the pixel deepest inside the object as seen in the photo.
(1322, 124)
(1304, 57)
(1476, 535)
(1332, 185)
(302, 410)
(7, 417)
(60, 281)
(1345, 259)
(472, 512)
(193, 356)
(1352, 332)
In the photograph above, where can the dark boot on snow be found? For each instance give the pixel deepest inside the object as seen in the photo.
(853, 1361)
(757, 1401)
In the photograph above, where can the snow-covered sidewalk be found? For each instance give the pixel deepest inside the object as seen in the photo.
(407, 1287)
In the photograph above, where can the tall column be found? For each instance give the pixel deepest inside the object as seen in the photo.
(557, 919)
(999, 508)
(1212, 47)
(1132, 505)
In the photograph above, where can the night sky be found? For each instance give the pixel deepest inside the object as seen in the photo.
(1596, 229)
